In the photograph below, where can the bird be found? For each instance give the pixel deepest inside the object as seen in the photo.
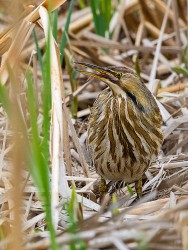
(124, 131)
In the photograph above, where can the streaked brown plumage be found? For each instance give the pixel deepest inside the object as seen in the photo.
(124, 132)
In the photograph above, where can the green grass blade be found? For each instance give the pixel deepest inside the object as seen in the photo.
(38, 50)
(64, 36)
(43, 158)
(4, 99)
(102, 13)
(181, 70)
(71, 207)
(108, 14)
(73, 82)
(35, 161)
(81, 4)
(46, 108)
(115, 205)
(55, 22)
(38, 165)
(98, 23)
(130, 190)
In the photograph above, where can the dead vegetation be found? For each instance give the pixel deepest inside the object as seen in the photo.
(150, 36)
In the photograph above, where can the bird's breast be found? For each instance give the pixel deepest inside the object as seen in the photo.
(122, 139)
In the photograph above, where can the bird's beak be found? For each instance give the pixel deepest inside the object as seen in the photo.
(103, 73)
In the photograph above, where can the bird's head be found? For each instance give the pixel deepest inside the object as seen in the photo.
(123, 82)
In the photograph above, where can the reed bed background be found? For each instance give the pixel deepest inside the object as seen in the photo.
(48, 196)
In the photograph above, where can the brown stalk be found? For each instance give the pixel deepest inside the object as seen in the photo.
(162, 7)
(155, 32)
(126, 47)
(176, 26)
(173, 88)
(18, 157)
(150, 13)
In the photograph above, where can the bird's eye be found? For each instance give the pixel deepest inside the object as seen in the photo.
(118, 75)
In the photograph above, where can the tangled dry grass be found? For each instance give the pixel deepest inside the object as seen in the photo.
(149, 34)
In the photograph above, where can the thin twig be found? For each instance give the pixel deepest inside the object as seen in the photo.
(155, 62)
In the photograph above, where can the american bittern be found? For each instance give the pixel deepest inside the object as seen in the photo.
(124, 132)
